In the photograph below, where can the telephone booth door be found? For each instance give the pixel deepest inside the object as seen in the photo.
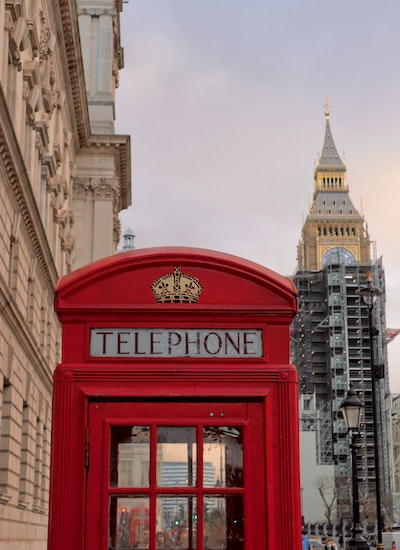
(181, 474)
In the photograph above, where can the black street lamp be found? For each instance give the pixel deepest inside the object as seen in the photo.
(370, 294)
(352, 409)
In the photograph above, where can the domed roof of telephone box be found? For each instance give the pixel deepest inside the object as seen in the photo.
(175, 278)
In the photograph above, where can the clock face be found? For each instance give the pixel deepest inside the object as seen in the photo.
(338, 255)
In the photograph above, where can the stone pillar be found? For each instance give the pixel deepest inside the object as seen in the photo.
(96, 204)
(97, 28)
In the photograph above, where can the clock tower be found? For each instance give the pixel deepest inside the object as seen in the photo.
(334, 229)
(333, 345)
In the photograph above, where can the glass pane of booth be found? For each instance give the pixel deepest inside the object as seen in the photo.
(224, 522)
(176, 456)
(222, 456)
(176, 522)
(129, 456)
(129, 522)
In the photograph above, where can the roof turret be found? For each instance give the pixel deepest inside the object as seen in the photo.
(129, 240)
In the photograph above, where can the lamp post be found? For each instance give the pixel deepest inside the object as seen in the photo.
(370, 294)
(351, 409)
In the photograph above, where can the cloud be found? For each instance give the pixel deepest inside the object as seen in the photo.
(224, 102)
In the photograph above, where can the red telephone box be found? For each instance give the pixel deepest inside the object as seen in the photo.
(175, 421)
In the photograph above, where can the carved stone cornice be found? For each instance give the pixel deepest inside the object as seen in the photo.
(18, 181)
(31, 74)
(120, 146)
(33, 36)
(105, 188)
(80, 188)
(118, 49)
(116, 229)
(14, 7)
(48, 167)
(46, 42)
(68, 22)
(18, 39)
(97, 12)
(65, 220)
(30, 89)
(100, 187)
(58, 189)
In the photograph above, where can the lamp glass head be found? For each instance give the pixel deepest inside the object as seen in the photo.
(352, 410)
(369, 294)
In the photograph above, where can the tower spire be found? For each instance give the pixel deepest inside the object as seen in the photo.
(327, 111)
(329, 158)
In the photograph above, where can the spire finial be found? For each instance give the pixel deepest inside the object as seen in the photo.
(327, 106)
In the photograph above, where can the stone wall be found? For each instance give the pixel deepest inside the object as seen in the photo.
(64, 177)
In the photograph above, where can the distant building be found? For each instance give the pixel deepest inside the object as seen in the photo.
(331, 338)
(317, 481)
(395, 456)
(64, 177)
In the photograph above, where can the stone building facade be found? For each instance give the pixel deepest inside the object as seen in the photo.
(64, 177)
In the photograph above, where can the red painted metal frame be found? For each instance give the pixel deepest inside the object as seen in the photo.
(239, 414)
(116, 292)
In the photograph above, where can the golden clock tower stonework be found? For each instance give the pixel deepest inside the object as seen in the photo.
(333, 229)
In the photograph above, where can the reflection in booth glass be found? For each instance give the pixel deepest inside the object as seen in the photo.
(223, 449)
(129, 456)
(215, 529)
(144, 539)
(164, 460)
(224, 522)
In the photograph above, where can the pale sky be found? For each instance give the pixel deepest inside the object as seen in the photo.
(224, 102)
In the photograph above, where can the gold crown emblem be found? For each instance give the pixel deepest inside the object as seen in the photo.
(177, 288)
